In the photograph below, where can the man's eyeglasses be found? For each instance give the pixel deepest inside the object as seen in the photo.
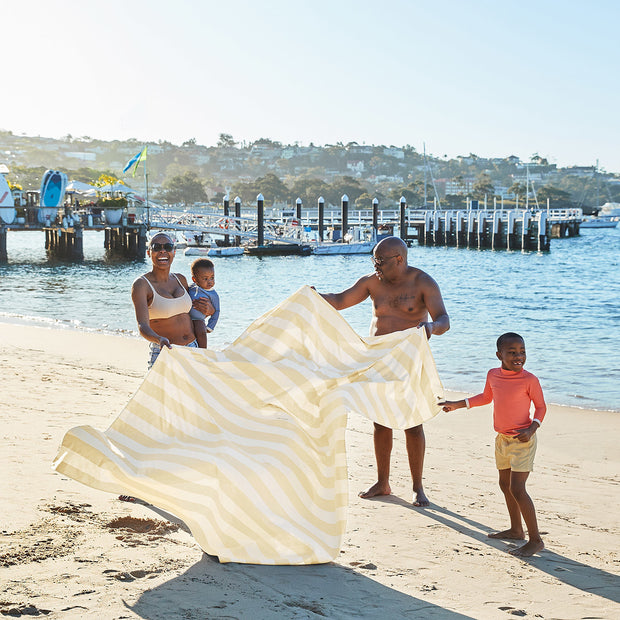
(158, 247)
(381, 261)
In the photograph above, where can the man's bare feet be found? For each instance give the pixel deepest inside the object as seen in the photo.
(508, 535)
(374, 490)
(420, 499)
(529, 548)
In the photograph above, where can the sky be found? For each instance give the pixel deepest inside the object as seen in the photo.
(494, 78)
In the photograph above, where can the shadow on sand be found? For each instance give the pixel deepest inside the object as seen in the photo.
(586, 578)
(212, 590)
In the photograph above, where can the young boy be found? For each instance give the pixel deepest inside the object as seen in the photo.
(203, 275)
(512, 389)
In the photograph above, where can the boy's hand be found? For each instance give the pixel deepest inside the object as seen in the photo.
(527, 433)
(449, 405)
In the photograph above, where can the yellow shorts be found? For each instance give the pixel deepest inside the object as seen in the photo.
(510, 453)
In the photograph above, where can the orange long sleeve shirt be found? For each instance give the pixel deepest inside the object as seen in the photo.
(511, 393)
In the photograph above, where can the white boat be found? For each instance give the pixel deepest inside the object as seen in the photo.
(197, 250)
(602, 221)
(359, 247)
(201, 250)
(229, 251)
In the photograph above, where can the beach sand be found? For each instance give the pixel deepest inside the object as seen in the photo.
(70, 551)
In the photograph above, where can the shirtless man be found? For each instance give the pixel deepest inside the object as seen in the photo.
(402, 297)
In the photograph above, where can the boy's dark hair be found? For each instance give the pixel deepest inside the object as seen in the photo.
(201, 263)
(501, 341)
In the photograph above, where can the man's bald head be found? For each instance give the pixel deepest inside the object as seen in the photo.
(392, 245)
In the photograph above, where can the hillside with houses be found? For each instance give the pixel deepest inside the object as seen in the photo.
(193, 173)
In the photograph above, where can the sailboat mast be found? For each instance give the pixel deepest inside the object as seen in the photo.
(146, 197)
(425, 166)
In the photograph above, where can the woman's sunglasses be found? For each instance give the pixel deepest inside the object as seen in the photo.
(158, 247)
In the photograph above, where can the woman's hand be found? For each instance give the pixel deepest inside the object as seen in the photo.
(202, 304)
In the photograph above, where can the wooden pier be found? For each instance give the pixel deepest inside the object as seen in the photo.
(64, 237)
(498, 229)
(510, 229)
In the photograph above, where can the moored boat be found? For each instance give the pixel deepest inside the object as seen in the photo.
(361, 247)
(602, 221)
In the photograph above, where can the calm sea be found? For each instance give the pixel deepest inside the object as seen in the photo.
(566, 303)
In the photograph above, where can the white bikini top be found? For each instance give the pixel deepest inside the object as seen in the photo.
(165, 307)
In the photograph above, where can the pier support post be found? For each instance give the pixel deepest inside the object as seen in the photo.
(482, 238)
(375, 218)
(437, 231)
(344, 215)
(510, 230)
(525, 230)
(238, 215)
(471, 229)
(321, 206)
(543, 233)
(497, 241)
(298, 206)
(428, 228)
(260, 204)
(300, 228)
(461, 234)
(3, 254)
(226, 214)
(403, 222)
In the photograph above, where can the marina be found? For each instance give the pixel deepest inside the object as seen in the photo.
(312, 231)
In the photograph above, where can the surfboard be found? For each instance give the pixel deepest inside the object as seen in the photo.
(51, 195)
(7, 204)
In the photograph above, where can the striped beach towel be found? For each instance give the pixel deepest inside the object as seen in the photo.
(247, 445)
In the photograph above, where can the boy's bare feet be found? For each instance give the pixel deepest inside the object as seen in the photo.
(419, 498)
(374, 490)
(528, 549)
(508, 535)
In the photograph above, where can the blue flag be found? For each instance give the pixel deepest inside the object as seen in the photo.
(135, 161)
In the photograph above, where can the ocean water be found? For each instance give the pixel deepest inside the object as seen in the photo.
(565, 303)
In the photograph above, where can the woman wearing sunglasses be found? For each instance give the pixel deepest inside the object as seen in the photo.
(162, 303)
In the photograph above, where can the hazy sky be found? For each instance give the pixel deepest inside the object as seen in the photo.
(494, 77)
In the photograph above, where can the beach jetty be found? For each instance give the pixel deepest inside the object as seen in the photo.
(126, 240)
(509, 229)
(265, 232)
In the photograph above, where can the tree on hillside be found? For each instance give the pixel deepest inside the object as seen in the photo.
(270, 186)
(225, 140)
(186, 188)
(309, 190)
(344, 185)
(483, 186)
(517, 188)
(364, 201)
(554, 194)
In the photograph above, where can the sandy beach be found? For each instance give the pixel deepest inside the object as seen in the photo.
(70, 551)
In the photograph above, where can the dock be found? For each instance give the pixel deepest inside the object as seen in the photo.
(264, 232)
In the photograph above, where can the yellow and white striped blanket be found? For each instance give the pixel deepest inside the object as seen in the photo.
(246, 445)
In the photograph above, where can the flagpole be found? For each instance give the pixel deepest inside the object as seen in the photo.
(146, 196)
